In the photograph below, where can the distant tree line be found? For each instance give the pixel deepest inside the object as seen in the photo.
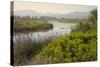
(35, 17)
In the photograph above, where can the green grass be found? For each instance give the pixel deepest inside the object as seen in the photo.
(31, 25)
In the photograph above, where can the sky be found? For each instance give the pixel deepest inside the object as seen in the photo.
(51, 7)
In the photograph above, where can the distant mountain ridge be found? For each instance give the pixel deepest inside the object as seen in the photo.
(73, 15)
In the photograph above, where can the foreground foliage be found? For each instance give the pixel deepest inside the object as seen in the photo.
(76, 47)
(79, 46)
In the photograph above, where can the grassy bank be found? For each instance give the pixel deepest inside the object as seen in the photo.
(25, 25)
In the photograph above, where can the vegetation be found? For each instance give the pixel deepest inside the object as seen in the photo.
(27, 49)
(79, 46)
(24, 25)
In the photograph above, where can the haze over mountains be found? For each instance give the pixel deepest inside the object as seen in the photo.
(73, 15)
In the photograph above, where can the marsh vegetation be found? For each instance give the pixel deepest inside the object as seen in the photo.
(27, 25)
(62, 42)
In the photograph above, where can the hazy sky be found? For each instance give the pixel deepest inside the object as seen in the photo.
(50, 8)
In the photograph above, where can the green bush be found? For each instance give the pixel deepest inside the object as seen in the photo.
(68, 49)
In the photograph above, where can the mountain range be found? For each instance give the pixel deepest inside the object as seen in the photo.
(73, 15)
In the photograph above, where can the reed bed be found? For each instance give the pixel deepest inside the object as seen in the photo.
(28, 45)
